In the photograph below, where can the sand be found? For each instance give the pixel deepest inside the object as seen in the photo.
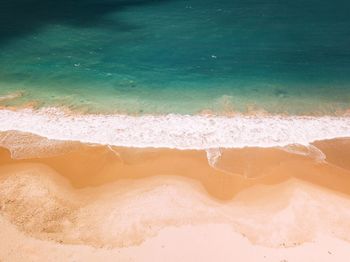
(68, 201)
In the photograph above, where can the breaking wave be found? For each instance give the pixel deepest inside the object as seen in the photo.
(176, 131)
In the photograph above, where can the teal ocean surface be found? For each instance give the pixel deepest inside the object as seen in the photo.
(176, 56)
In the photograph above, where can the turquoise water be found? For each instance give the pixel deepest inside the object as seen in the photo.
(174, 56)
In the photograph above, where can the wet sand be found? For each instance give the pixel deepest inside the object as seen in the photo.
(236, 169)
(92, 202)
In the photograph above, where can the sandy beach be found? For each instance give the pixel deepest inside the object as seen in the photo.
(91, 202)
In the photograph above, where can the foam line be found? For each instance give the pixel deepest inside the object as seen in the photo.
(175, 131)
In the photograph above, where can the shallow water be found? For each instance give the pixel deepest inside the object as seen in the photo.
(177, 56)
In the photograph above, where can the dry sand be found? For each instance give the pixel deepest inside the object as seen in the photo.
(64, 201)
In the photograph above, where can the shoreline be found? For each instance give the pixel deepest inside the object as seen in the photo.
(175, 131)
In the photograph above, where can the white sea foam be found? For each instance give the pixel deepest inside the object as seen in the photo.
(176, 131)
(309, 150)
(213, 155)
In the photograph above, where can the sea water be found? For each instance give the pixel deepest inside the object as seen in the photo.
(175, 56)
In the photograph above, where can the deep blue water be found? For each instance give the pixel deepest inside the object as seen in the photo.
(175, 56)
